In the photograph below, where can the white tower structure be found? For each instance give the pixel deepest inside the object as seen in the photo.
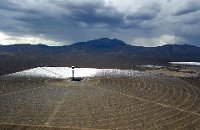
(73, 72)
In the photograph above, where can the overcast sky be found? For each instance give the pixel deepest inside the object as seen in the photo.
(137, 22)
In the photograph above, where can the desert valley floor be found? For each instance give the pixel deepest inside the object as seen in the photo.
(130, 100)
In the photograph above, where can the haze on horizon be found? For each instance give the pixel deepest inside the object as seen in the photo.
(62, 22)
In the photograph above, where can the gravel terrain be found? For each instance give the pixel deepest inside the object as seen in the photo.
(139, 102)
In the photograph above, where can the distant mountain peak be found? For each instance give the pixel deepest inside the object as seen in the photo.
(102, 45)
(107, 42)
(102, 39)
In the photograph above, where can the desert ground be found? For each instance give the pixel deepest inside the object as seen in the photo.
(146, 101)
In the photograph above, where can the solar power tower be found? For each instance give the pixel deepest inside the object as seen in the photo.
(73, 73)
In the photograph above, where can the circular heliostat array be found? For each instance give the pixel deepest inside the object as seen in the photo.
(140, 102)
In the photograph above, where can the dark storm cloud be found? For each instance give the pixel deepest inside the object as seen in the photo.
(89, 13)
(146, 13)
(68, 18)
(186, 8)
(73, 21)
(85, 12)
(94, 13)
(79, 20)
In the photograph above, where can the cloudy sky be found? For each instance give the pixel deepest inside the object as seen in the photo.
(137, 22)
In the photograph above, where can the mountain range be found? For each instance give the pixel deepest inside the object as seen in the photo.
(99, 53)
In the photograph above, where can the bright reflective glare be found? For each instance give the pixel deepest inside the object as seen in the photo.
(66, 72)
